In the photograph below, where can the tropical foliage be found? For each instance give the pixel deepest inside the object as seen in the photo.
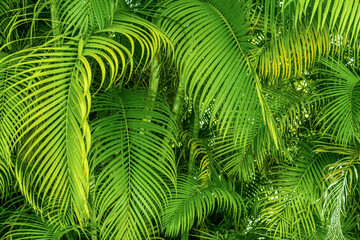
(179, 119)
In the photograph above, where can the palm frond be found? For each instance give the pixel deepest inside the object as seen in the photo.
(293, 53)
(55, 117)
(23, 224)
(290, 107)
(342, 177)
(48, 95)
(341, 14)
(192, 203)
(132, 161)
(83, 17)
(141, 35)
(340, 117)
(213, 58)
(286, 106)
(292, 205)
(8, 117)
(295, 39)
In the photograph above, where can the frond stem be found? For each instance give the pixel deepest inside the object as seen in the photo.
(195, 134)
(55, 22)
(179, 99)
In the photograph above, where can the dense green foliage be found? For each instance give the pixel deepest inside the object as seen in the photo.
(179, 119)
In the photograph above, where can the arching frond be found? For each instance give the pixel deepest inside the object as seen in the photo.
(293, 53)
(23, 224)
(211, 53)
(139, 34)
(342, 177)
(291, 39)
(293, 203)
(54, 132)
(192, 203)
(286, 106)
(47, 93)
(341, 14)
(132, 161)
(8, 117)
(83, 17)
(290, 107)
(340, 87)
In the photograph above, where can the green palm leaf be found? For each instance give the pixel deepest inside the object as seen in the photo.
(55, 135)
(49, 97)
(24, 224)
(192, 202)
(293, 53)
(341, 14)
(340, 117)
(240, 161)
(342, 177)
(292, 205)
(212, 58)
(47, 92)
(132, 161)
(300, 32)
(8, 117)
(81, 17)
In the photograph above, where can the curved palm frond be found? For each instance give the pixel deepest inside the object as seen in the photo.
(47, 91)
(341, 14)
(48, 95)
(342, 177)
(138, 34)
(212, 45)
(83, 17)
(295, 190)
(13, 16)
(94, 16)
(5, 176)
(293, 53)
(340, 117)
(55, 135)
(191, 203)
(295, 39)
(290, 107)
(286, 106)
(132, 161)
(24, 224)
(8, 116)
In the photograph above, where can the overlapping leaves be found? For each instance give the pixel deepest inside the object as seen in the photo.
(193, 202)
(132, 162)
(340, 116)
(292, 205)
(211, 54)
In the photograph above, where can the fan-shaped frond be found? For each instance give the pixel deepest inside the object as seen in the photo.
(132, 161)
(192, 203)
(292, 205)
(340, 87)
